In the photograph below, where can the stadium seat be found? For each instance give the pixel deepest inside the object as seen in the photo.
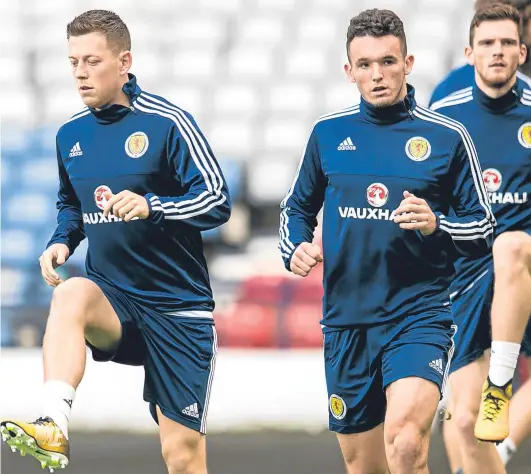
(238, 100)
(291, 97)
(16, 107)
(319, 30)
(301, 324)
(285, 134)
(269, 179)
(306, 62)
(61, 104)
(13, 285)
(18, 246)
(232, 137)
(261, 30)
(267, 290)
(248, 324)
(249, 63)
(340, 96)
(201, 31)
(40, 173)
(30, 208)
(198, 64)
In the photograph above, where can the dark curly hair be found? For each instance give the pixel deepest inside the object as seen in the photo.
(377, 23)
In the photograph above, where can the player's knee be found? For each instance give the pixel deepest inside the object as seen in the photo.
(511, 249)
(73, 298)
(179, 454)
(465, 419)
(405, 442)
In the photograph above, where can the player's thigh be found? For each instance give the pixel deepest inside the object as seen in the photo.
(471, 312)
(512, 246)
(356, 401)
(364, 452)
(411, 405)
(414, 370)
(82, 298)
(179, 367)
(181, 446)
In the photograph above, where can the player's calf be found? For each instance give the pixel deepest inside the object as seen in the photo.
(466, 387)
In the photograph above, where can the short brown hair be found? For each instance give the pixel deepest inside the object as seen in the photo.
(496, 12)
(105, 22)
(377, 23)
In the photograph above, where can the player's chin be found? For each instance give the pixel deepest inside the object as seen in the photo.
(91, 101)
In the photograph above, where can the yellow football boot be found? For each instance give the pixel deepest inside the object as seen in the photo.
(42, 439)
(492, 424)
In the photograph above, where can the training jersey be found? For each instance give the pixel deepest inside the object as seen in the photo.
(356, 165)
(460, 78)
(501, 130)
(154, 149)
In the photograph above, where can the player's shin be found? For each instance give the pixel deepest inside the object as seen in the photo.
(477, 458)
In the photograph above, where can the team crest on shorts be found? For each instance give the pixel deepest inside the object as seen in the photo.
(377, 194)
(338, 408)
(136, 144)
(524, 135)
(418, 149)
(99, 197)
(492, 179)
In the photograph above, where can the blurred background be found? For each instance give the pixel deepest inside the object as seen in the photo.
(255, 74)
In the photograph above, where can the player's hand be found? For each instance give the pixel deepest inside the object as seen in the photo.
(415, 214)
(126, 205)
(54, 256)
(305, 257)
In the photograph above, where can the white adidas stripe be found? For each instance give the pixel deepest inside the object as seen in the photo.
(524, 78)
(285, 244)
(212, 177)
(192, 138)
(78, 115)
(451, 101)
(484, 227)
(349, 140)
(203, 426)
(450, 357)
(195, 133)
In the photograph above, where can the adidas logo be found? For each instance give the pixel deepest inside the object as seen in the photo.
(346, 145)
(75, 151)
(437, 365)
(191, 411)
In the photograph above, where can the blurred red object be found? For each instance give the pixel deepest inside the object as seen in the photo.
(248, 324)
(301, 322)
(264, 289)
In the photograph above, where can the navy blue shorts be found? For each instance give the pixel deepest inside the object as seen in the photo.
(471, 309)
(361, 362)
(178, 355)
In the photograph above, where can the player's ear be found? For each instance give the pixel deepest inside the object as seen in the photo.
(523, 54)
(126, 61)
(409, 61)
(469, 54)
(348, 71)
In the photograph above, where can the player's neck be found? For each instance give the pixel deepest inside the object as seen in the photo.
(495, 92)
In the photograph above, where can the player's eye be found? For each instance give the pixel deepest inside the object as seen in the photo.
(73, 63)
(364, 65)
(93, 63)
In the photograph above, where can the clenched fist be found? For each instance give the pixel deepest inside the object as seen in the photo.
(305, 257)
(126, 205)
(54, 256)
(415, 214)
